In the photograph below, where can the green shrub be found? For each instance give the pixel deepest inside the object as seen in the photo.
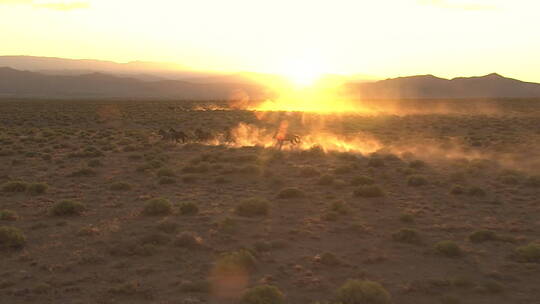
(189, 208)
(476, 191)
(340, 207)
(83, 172)
(37, 188)
(291, 193)
(253, 207)
(376, 162)
(232, 262)
(120, 186)
(14, 186)
(417, 164)
(362, 180)
(457, 190)
(189, 178)
(492, 287)
(263, 294)
(165, 172)
(8, 215)
(343, 169)
(533, 181)
(406, 218)
(201, 168)
(67, 207)
(201, 286)
(417, 180)
(449, 299)
(157, 206)
(166, 180)
(11, 238)
(94, 163)
(448, 249)
(227, 225)
(309, 172)
(250, 169)
(369, 191)
(329, 259)
(326, 180)
(406, 235)
(362, 292)
(167, 227)
(188, 239)
(154, 239)
(481, 236)
(330, 216)
(528, 253)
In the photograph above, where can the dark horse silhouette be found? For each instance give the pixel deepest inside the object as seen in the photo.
(201, 135)
(173, 135)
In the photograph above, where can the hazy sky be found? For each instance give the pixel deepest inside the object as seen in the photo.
(382, 38)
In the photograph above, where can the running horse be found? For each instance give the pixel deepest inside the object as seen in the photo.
(173, 135)
(283, 137)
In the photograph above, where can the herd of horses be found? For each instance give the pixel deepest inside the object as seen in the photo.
(202, 136)
(180, 136)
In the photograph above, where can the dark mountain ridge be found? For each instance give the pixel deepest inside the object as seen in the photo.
(15, 83)
(429, 86)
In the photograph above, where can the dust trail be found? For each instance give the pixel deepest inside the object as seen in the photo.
(244, 135)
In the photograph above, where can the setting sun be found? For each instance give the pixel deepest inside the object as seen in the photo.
(303, 73)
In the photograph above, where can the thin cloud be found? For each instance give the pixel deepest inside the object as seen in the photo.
(459, 5)
(54, 5)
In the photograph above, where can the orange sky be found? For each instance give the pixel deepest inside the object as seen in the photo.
(299, 38)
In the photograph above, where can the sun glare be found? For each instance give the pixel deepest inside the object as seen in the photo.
(303, 72)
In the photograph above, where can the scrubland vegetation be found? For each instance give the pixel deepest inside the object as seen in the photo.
(95, 208)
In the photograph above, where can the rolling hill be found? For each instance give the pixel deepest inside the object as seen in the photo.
(25, 84)
(429, 86)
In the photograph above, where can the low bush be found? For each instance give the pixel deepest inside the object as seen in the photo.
(406, 235)
(188, 239)
(476, 191)
(188, 208)
(120, 186)
(165, 172)
(362, 180)
(253, 207)
(11, 238)
(67, 207)
(309, 172)
(83, 172)
(417, 180)
(481, 236)
(369, 191)
(166, 180)
(326, 180)
(263, 294)
(233, 262)
(528, 253)
(37, 188)
(8, 215)
(448, 249)
(362, 292)
(157, 206)
(14, 186)
(291, 193)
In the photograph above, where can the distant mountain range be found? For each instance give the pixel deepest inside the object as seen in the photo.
(431, 87)
(136, 69)
(24, 84)
(45, 77)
